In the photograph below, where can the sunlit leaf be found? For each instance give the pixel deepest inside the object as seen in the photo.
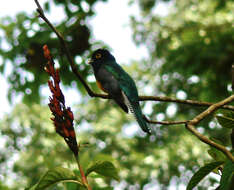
(54, 176)
(104, 168)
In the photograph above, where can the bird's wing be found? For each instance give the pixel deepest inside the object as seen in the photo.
(126, 83)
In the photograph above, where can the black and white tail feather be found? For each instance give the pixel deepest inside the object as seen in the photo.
(135, 109)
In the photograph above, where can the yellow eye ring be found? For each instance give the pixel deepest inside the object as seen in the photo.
(98, 56)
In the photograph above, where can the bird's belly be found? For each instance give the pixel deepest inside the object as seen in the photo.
(107, 82)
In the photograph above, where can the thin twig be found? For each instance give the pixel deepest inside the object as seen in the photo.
(165, 122)
(188, 102)
(190, 126)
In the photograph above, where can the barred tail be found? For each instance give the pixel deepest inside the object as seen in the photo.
(134, 108)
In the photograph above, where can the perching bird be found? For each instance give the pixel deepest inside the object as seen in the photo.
(112, 79)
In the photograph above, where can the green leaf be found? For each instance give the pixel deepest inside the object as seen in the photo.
(104, 168)
(216, 154)
(227, 175)
(74, 186)
(217, 141)
(224, 121)
(230, 114)
(201, 173)
(54, 176)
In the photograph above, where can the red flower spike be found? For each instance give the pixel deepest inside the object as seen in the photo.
(63, 116)
(65, 131)
(70, 114)
(46, 52)
(72, 134)
(57, 77)
(50, 84)
(50, 67)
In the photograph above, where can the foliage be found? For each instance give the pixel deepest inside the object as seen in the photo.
(191, 52)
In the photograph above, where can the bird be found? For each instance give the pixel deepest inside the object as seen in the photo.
(118, 84)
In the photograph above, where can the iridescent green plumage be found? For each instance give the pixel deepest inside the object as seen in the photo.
(118, 84)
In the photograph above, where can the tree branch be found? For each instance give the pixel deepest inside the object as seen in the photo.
(190, 126)
(105, 96)
(188, 102)
(165, 122)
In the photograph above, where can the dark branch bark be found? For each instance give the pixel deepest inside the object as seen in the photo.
(188, 102)
(165, 122)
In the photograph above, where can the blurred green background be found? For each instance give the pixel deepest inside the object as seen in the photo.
(185, 51)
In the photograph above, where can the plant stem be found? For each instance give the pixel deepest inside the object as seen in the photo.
(83, 177)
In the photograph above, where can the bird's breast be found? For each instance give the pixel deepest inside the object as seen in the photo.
(99, 84)
(106, 81)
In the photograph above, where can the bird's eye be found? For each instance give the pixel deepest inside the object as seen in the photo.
(98, 56)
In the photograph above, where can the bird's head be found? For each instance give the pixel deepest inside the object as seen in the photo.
(100, 56)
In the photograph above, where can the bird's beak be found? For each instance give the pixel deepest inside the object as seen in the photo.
(90, 61)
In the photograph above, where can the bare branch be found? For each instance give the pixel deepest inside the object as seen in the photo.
(190, 126)
(188, 102)
(165, 122)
